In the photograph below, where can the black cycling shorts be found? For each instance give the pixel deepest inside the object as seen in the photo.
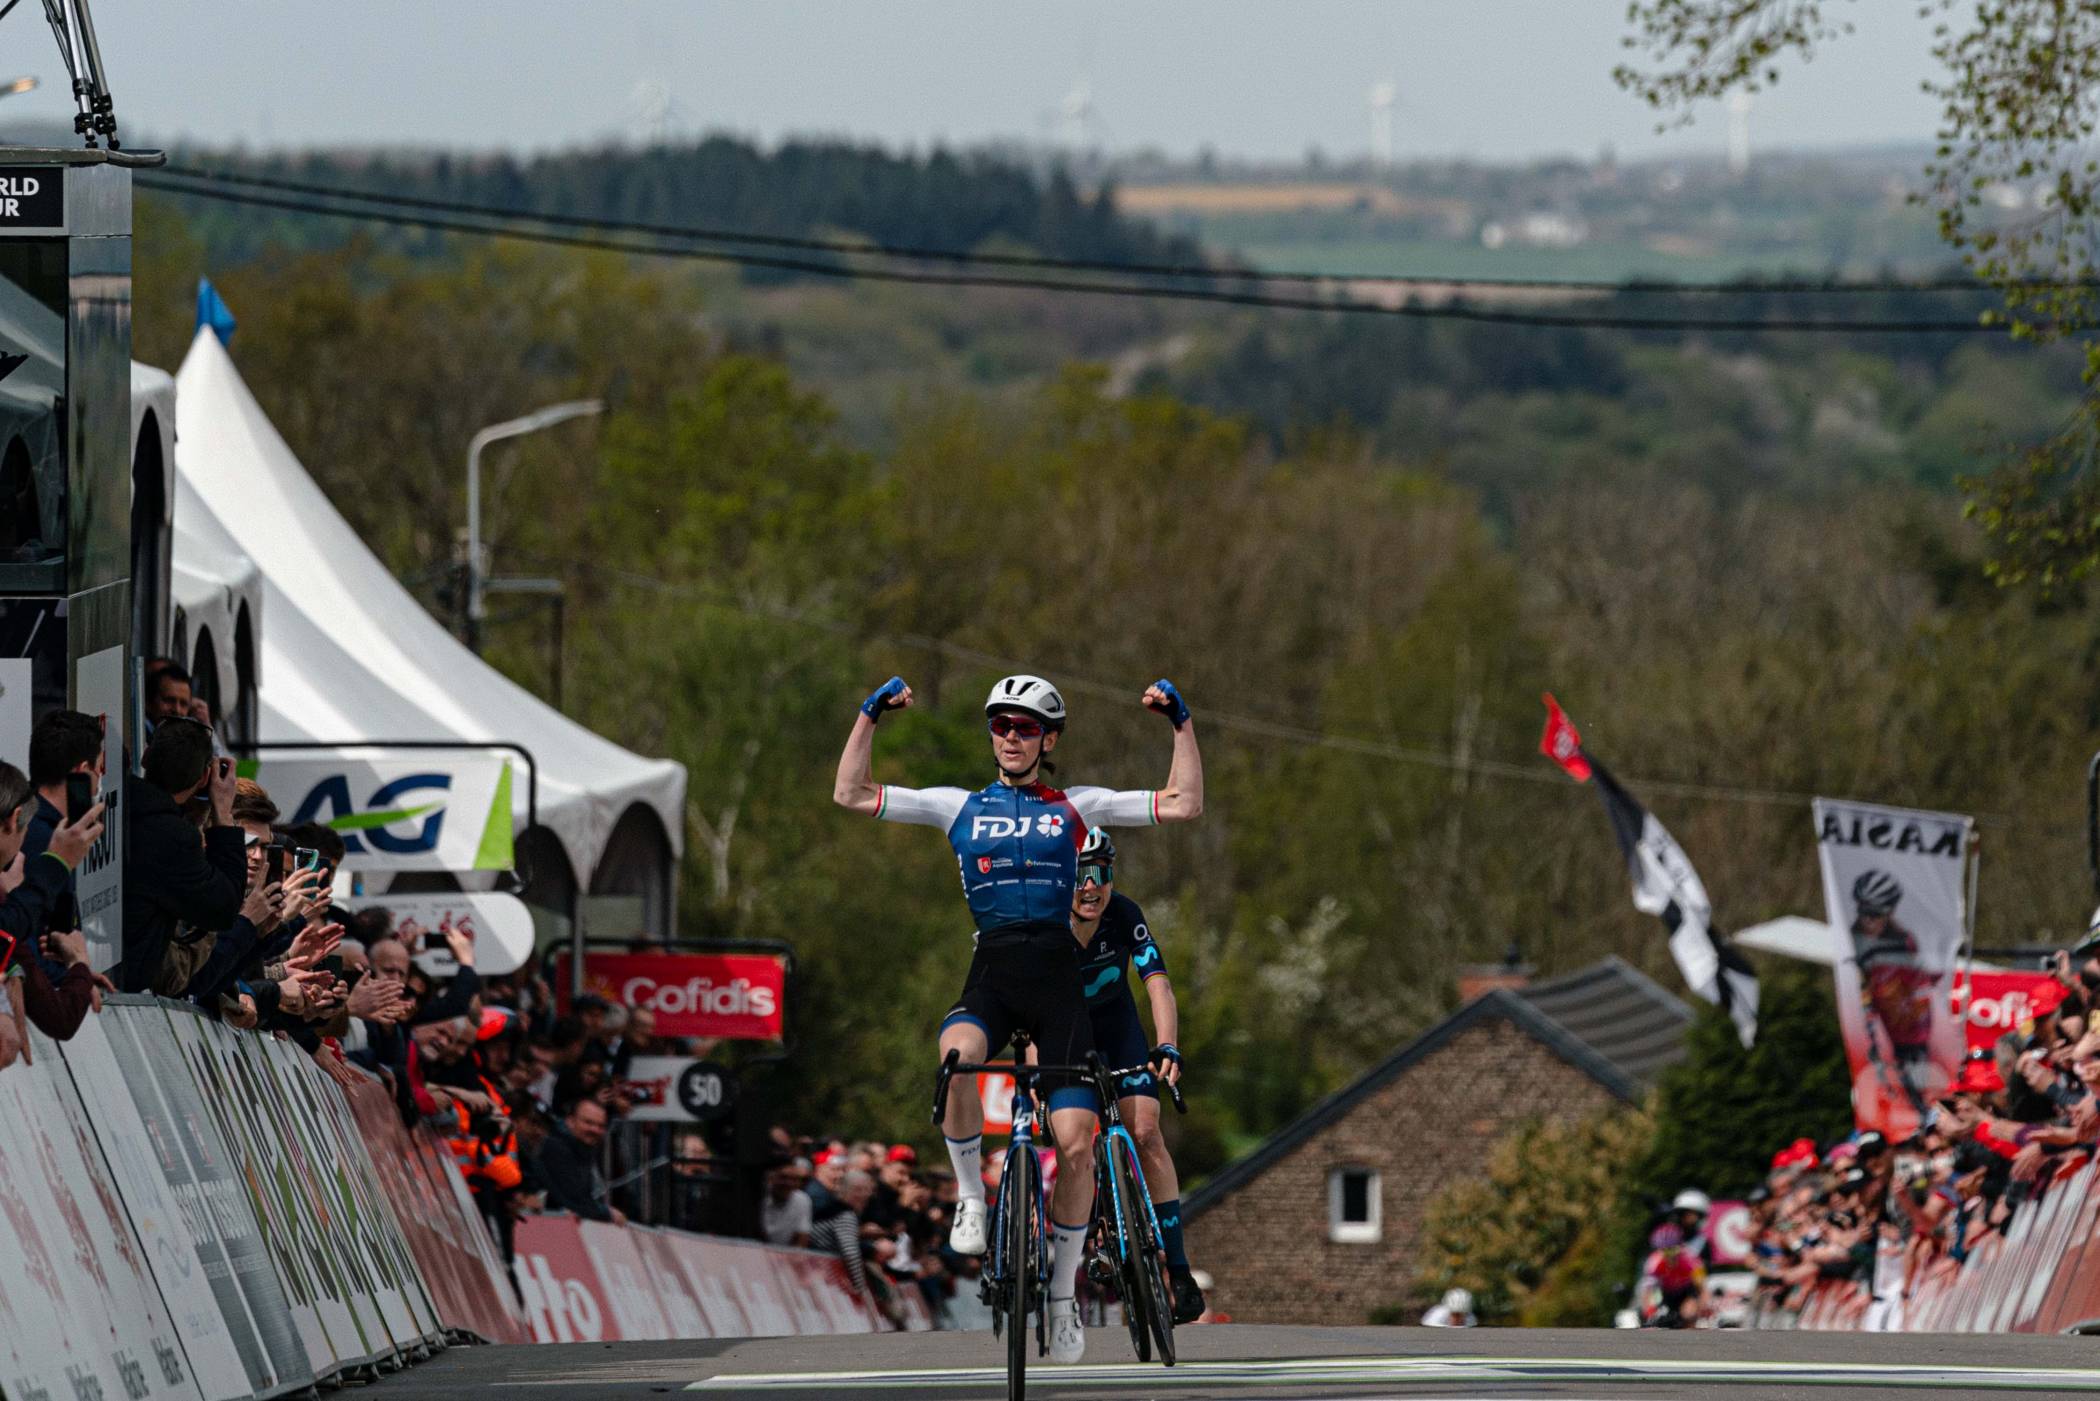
(1120, 1038)
(1031, 986)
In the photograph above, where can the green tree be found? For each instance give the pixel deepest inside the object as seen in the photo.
(1723, 1111)
(1524, 1237)
(2019, 88)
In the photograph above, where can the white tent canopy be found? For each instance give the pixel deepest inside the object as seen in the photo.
(1810, 940)
(348, 653)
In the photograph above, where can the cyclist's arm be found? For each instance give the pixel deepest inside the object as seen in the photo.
(1182, 799)
(1166, 1013)
(855, 787)
(922, 807)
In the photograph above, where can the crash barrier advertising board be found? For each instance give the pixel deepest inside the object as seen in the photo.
(593, 1281)
(199, 1212)
(2041, 1274)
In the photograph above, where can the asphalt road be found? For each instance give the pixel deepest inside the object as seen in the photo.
(1237, 1363)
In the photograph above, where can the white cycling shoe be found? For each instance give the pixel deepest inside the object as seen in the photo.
(967, 1236)
(1067, 1337)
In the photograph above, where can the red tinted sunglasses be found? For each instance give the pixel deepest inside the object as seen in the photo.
(1019, 726)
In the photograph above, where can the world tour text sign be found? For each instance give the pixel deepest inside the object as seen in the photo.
(32, 199)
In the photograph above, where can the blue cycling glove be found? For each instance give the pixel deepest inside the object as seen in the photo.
(1175, 708)
(887, 696)
(1165, 1051)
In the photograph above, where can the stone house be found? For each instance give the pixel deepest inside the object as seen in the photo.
(1318, 1225)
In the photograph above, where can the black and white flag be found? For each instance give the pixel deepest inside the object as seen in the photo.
(1664, 883)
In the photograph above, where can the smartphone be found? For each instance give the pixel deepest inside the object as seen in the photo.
(273, 862)
(80, 796)
(334, 964)
(305, 858)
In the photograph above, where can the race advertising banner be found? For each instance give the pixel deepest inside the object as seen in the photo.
(436, 810)
(498, 925)
(207, 1185)
(1991, 1004)
(678, 1089)
(146, 1163)
(1893, 884)
(79, 1314)
(715, 996)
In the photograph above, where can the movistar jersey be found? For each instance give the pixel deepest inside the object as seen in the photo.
(1121, 941)
(1017, 848)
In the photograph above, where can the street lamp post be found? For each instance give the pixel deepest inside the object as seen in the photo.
(477, 607)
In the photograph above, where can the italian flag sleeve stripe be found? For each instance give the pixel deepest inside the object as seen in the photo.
(882, 798)
(1155, 807)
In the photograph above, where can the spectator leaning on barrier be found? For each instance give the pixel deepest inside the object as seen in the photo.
(784, 1215)
(169, 879)
(836, 1231)
(34, 887)
(568, 1164)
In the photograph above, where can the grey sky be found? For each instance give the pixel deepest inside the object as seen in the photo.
(1261, 78)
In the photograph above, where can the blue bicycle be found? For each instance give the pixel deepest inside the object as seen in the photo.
(1019, 1261)
(1125, 1245)
(1017, 1270)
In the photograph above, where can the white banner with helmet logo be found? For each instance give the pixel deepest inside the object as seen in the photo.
(425, 810)
(1893, 881)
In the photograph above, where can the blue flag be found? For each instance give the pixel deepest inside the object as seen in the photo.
(212, 311)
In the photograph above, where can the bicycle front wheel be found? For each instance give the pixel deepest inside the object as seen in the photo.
(1155, 1300)
(1023, 1261)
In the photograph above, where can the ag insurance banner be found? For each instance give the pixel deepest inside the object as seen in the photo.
(1892, 882)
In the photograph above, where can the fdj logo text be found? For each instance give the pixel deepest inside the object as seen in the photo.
(1049, 824)
(329, 802)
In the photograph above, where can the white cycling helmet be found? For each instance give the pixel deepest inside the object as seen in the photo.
(1459, 1301)
(1692, 1199)
(1031, 694)
(1098, 846)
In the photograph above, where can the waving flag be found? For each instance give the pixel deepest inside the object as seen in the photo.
(1664, 883)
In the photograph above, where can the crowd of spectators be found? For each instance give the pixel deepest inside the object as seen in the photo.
(1885, 1215)
(226, 907)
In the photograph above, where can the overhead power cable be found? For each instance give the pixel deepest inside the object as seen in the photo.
(853, 271)
(1206, 271)
(1531, 770)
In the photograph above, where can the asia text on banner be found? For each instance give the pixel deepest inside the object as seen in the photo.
(1893, 885)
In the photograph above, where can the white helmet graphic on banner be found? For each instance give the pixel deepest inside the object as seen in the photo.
(1893, 882)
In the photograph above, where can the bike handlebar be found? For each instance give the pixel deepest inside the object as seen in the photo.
(1102, 1077)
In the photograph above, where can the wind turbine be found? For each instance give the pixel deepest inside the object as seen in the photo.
(1383, 95)
(1077, 113)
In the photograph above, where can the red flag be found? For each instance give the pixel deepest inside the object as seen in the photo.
(1561, 743)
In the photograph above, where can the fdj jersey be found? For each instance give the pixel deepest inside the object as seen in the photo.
(1017, 848)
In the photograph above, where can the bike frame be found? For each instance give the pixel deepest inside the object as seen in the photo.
(1117, 1137)
(998, 1268)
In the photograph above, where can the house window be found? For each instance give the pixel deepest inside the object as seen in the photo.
(1352, 1206)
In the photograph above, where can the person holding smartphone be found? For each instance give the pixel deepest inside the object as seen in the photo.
(171, 881)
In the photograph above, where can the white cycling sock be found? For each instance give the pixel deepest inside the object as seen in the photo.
(1067, 1248)
(966, 1155)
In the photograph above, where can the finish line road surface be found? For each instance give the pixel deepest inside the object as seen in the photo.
(1238, 1363)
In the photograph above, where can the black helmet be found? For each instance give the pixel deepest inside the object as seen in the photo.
(1876, 893)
